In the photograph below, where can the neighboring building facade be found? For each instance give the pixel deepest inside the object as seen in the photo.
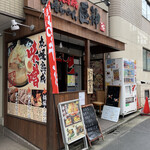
(8, 10)
(130, 23)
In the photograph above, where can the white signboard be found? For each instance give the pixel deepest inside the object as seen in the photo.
(110, 113)
(82, 98)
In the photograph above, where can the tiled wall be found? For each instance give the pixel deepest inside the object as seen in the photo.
(14, 7)
(131, 11)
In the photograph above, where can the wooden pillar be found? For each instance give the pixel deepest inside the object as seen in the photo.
(104, 58)
(51, 128)
(86, 65)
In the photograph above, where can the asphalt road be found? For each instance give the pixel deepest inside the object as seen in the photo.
(134, 135)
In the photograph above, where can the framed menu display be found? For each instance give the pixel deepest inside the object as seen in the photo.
(27, 73)
(71, 121)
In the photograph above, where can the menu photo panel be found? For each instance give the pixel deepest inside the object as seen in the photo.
(27, 77)
(71, 121)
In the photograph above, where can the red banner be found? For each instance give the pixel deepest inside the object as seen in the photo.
(51, 47)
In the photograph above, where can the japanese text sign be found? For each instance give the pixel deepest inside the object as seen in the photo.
(51, 47)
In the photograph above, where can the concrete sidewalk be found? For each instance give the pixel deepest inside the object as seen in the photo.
(8, 144)
(11, 141)
(109, 126)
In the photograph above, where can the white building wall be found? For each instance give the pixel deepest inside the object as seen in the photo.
(12, 7)
(135, 40)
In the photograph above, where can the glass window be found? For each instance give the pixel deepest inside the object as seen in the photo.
(146, 60)
(148, 12)
(146, 93)
(146, 9)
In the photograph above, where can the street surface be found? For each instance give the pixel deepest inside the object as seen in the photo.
(133, 135)
(8, 144)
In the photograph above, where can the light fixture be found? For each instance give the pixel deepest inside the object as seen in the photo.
(108, 55)
(107, 2)
(93, 55)
(13, 33)
(60, 45)
(15, 25)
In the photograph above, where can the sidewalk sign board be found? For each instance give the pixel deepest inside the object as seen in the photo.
(91, 123)
(110, 113)
(72, 123)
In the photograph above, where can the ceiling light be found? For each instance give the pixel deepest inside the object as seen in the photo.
(60, 45)
(15, 25)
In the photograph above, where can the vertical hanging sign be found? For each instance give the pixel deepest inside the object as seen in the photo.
(51, 47)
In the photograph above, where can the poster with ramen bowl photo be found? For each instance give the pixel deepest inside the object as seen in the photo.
(27, 72)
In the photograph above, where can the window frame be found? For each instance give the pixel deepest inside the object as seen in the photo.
(146, 9)
(146, 67)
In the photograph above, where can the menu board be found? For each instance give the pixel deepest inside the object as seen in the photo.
(129, 71)
(27, 72)
(71, 121)
(113, 95)
(70, 80)
(91, 123)
(111, 113)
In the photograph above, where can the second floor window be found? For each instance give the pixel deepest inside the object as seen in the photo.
(146, 60)
(146, 9)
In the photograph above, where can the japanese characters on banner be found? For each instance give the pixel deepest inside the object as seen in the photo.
(89, 81)
(27, 83)
(71, 121)
(51, 48)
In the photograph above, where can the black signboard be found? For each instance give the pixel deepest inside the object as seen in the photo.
(91, 124)
(113, 96)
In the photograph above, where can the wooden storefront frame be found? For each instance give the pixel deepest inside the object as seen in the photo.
(42, 135)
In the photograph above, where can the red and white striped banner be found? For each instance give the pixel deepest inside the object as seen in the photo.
(51, 47)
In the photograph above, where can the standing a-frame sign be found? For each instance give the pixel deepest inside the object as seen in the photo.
(71, 121)
(91, 124)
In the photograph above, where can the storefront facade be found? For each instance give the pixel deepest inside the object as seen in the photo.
(80, 33)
